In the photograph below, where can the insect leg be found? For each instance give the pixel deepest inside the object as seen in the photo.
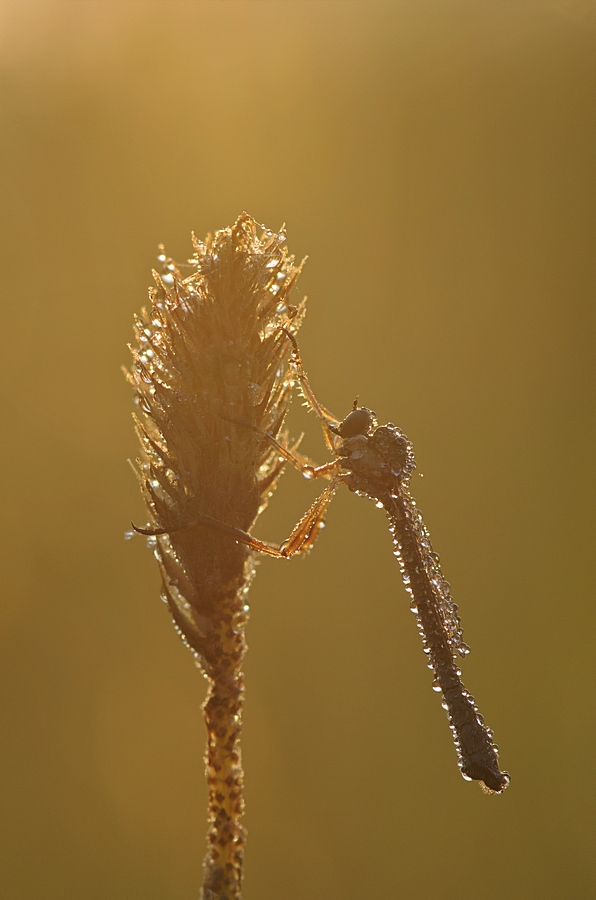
(302, 537)
(304, 465)
(327, 418)
(307, 529)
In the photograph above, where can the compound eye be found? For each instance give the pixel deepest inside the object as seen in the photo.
(359, 421)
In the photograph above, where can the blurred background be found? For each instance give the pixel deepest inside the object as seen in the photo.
(436, 162)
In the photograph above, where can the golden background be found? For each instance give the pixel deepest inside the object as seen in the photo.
(436, 161)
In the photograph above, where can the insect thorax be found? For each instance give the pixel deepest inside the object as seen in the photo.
(377, 461)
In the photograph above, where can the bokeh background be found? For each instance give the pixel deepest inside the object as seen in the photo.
(436, 162)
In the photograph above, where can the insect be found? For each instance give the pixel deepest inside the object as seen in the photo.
(377, 461)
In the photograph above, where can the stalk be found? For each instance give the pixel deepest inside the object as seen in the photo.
(211, 353)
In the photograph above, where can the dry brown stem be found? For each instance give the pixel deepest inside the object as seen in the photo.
(211, 349)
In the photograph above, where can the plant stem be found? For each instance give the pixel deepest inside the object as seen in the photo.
(211, 359)
(223, 719)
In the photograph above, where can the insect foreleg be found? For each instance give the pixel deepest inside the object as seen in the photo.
(327, 418)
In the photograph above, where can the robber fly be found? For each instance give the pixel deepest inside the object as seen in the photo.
(377, 461)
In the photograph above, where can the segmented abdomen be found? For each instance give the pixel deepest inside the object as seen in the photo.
(440, 627)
